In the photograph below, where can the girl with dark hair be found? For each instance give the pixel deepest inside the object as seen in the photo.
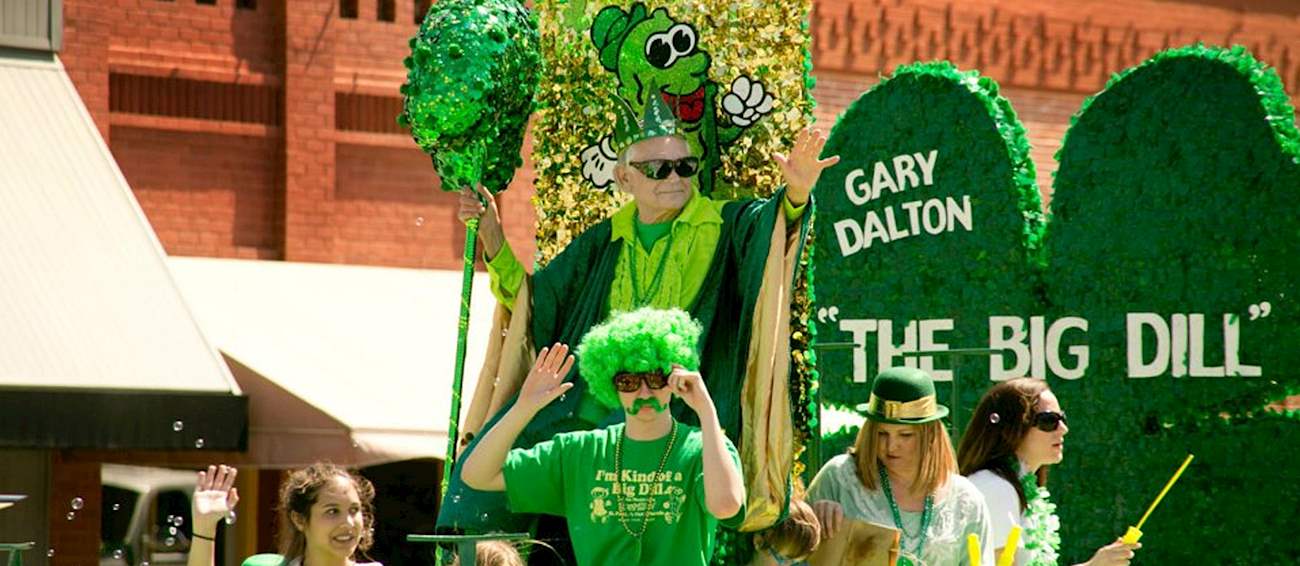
(327, 516)
(1016, 432)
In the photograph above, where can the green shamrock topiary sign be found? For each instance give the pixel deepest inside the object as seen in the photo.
(1159, 302)
(924, 228)
(1176, 217)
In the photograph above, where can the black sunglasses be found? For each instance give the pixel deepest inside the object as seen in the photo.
(1048, 421)
(659, 169)
(631, 382)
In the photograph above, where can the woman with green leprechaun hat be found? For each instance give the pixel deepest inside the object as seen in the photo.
(729, 264)
(901, 472)
(649, 491)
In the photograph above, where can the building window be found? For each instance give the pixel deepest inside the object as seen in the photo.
(206, 2)
(387, 10)
(421, 9)
(348, 9)
(246, 4)
(188, 98)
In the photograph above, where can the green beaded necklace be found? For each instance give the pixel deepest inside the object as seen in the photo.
(926, 515)
(640, 297)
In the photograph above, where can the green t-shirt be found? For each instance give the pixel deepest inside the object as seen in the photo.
(573, 475)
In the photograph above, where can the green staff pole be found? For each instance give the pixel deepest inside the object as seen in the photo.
(453, 420)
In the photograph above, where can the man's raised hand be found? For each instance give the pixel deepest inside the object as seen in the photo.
(803, 166)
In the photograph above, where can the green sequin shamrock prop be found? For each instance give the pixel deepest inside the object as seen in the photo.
(471, 77)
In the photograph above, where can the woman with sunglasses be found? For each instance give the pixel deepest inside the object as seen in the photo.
(1016, 432)
(649, 491)
(901, 472)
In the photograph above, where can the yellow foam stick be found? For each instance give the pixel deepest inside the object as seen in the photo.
(1134, 534)
(1009, 550)
(973, 548)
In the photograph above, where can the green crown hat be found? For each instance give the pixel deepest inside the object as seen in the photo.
(658, 121)
(903, 395)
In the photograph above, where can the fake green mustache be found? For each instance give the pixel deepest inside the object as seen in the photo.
(651, 402)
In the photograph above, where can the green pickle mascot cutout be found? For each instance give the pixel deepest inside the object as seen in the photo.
(657, 57)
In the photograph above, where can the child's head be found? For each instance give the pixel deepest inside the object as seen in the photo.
(794, 538)
(494, 553)
(326, 510)
(637, 350)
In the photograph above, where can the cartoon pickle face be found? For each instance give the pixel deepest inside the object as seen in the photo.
(654, 55)
(664, 55)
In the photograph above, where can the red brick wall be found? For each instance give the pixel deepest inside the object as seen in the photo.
(357, 195)
(206, 194)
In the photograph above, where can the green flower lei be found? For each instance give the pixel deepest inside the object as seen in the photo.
(1041, 529)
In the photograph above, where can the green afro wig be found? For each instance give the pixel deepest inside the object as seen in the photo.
(643, 340)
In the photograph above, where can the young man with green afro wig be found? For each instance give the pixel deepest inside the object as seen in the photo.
(647, 491)
(642, 341)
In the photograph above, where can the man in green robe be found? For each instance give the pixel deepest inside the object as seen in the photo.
(729, 264)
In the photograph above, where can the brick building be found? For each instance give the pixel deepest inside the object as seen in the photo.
(252, 129)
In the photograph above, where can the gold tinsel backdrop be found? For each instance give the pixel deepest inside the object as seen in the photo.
(765, 41)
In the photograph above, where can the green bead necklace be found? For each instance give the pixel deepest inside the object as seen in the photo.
(640, 297)
(926, 514)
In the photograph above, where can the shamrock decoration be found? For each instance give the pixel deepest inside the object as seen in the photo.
(1158, 302)
(657, 56)
(471, 76)
(1178, 196)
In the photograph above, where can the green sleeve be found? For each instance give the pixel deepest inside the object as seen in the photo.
(792, 212)
(735, 520)
(535, 477)
(506, 275)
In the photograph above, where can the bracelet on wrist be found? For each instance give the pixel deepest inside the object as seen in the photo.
(205, 537)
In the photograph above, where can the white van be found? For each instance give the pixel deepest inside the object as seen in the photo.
(145, 517)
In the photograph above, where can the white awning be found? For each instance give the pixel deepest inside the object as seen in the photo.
(347, 363)
(92, 326)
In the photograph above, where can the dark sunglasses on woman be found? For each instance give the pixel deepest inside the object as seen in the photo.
(631, 382)
(1049, 421)
(658, 169)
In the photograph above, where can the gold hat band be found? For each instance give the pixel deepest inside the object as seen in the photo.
(917, 409)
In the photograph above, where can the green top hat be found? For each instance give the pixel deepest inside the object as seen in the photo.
(903, 395)
(658, 121)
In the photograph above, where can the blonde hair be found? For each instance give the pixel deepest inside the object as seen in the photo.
(494, 553)
(796, 536)
(937, 458)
